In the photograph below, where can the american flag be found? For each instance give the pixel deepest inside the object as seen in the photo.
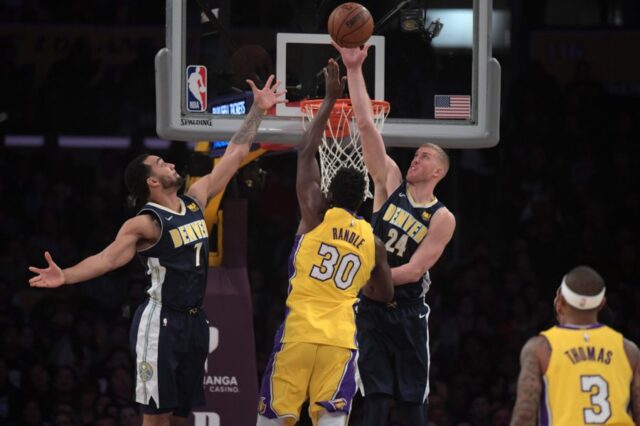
(453, 106)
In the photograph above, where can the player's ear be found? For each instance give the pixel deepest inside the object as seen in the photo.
(558, 303)
(152, 181)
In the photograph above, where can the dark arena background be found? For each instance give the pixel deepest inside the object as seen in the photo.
(77, 102)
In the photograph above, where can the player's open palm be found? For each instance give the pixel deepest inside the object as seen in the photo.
(352, 57)
(51, 276)
(268, 96)
(334, 85)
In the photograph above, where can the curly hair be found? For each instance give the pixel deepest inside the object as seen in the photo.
(347, 188)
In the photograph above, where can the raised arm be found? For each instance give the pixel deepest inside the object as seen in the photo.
(383, 170)
(443, 223)
(217, 180)
(310, 197)
(633, 354)
(380, 286)
(132, 233)
(534, 359)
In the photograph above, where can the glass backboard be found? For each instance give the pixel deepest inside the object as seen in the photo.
(432, 60)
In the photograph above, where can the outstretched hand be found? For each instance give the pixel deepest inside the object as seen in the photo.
(268, 96)
(50, 277)
(333, 83)
(352, 57)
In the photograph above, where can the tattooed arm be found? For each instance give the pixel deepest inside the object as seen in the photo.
(634, 360)
(217, 180)
(534, 359)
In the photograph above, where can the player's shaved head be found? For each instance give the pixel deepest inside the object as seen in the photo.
(584, 281)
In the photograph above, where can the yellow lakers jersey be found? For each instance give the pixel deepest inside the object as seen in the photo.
(588, 380)
(327, 268)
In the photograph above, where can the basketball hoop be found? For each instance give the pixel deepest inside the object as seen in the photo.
(341, 139)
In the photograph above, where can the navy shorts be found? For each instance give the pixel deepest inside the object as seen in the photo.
(393, 344)
(170, 347)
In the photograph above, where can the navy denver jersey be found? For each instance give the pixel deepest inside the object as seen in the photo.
(402, 224)
(177, 264)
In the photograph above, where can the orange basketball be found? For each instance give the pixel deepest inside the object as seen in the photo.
(350, 25)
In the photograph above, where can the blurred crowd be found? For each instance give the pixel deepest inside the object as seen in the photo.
(561, 189)
(100, 12)
(62, 63)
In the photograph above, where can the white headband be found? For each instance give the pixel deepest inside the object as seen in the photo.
(580, 301)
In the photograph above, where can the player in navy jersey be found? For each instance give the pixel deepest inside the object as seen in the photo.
(169, 333)
(415, 227)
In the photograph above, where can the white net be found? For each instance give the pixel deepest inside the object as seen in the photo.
(341, 140)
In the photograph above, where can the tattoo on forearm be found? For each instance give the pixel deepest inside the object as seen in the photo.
(525, 412)
(249, 128)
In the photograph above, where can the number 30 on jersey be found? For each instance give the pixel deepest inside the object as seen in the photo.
(342, 269)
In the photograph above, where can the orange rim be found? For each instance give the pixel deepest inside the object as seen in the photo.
(337, 124)
(314, 104)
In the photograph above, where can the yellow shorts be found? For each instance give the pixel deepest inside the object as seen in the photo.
(325, 375)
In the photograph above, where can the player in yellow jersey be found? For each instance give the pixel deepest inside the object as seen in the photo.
(335, 256)
(579, 372)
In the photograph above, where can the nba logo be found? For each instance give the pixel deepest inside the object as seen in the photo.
(196, 88)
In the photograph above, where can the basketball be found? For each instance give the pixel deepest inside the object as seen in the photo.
(350, 25)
